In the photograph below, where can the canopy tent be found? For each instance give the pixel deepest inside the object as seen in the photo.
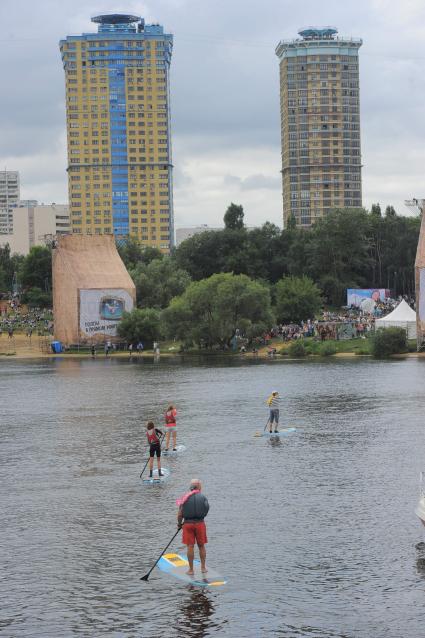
(402, 316)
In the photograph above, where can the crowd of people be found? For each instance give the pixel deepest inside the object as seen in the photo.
(344, 323)
(17, 318)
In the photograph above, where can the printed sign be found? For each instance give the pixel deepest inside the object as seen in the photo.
(366, 298)
(101, 310)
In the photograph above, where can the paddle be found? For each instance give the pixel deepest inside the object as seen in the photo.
(146, 577)
(146, 464)
(268, 420)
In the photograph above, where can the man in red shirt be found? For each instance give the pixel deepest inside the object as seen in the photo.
(193, 507)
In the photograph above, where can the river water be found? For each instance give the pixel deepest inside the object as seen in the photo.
(315, 532)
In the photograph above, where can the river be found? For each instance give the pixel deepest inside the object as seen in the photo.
(315, 532)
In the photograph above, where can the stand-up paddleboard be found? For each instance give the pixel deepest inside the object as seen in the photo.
(155, 479)
(283, 432)
(177, 566)
(171, 452)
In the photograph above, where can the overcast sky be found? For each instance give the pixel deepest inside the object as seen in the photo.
(224, 96)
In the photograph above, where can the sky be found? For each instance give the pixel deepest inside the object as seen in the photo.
(224, 96)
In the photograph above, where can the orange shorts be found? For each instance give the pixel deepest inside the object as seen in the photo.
(194, 533)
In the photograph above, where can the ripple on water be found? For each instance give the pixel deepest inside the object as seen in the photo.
(315, 532)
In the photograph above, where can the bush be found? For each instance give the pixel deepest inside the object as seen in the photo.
(327, 349)
(297, 349)
(363, 350)
(388, 341)
(140, 325)
(412, 345)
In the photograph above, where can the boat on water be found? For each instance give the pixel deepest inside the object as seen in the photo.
(420, 508)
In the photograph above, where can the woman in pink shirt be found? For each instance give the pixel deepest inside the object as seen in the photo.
(171, 427)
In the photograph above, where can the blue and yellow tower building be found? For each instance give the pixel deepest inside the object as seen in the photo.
(118, 128)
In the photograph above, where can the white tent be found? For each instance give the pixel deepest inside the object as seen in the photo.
(402, 316)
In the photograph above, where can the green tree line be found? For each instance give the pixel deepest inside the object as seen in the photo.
(32, 274)
(238, 280)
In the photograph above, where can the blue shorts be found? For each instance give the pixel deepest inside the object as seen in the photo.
(274, 416)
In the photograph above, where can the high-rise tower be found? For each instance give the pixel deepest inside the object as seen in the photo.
(9, 199)
(320, 124)
(118, 125)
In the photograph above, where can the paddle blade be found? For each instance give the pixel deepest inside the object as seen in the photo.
(145, 577)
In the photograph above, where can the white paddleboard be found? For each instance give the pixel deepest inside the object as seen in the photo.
(171, 452)
(283, 432)
(155, 479)
(177, 565)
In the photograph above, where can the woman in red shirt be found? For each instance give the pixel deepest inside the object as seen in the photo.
(170, 427)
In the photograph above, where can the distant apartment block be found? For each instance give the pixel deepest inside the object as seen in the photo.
(36, 226)
(9, 198)
(27, 203)
(118, 125)
(185, 233)
(320, 124)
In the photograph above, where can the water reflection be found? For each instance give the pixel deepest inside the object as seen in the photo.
(196, 614)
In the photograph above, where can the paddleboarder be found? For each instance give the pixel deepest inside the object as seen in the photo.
(274, 402)
(154, 442)
(171, 427)
(193, 508)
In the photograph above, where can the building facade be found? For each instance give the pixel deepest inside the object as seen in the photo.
(9, 198)
(190, 231)
(36, 226)
(118, 126)
(320, 124)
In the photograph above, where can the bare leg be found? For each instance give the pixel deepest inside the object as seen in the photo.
(203, 556)
(167, 440)
(190, 555)
(151, 464)
(174, 439)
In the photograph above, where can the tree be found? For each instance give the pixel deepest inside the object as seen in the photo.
(297, 299)
(233, 217)
(376, 210)
(292, 222)
(202, 255)
(132, 252)
(36, 271)
(339, 247)
(140, 325)
(390, 211)
(9, 264)
(37, 298)
(158, 282)
(212, 311)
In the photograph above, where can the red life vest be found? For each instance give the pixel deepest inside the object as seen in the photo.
(152, 437)
(170, 417)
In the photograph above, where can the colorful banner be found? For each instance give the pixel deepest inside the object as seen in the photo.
(366, 298)
(101, 310)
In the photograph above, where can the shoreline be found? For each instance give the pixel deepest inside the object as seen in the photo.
(21, 347)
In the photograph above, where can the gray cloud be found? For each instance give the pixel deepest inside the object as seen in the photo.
(225, 96)
(253, 182)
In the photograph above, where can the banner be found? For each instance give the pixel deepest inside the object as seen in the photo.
(101, 310)
(366, 298)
